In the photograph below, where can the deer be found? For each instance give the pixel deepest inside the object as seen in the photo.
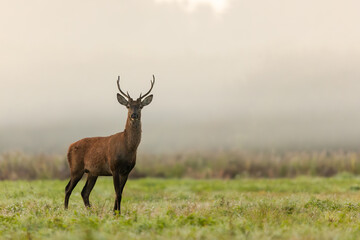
(113, 155)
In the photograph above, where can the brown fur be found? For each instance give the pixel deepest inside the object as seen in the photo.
(114, 155)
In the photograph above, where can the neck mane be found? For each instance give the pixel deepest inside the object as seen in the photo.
(132, 134)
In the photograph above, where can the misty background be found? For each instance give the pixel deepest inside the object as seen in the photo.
(229, 74)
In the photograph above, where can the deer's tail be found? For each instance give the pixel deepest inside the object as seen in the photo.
(69, 154)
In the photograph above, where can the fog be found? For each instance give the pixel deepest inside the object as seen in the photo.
(229, 74)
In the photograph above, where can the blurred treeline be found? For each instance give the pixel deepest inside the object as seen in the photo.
(221, 164)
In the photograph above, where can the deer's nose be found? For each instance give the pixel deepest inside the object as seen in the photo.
(135, 116)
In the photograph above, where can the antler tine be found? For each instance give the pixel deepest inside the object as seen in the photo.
(152, 85)
(125, 95)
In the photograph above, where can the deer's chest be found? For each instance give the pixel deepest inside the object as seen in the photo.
(124, 164)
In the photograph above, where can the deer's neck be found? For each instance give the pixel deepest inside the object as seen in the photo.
(132, 134)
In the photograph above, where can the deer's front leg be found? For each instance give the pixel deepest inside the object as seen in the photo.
(119, 184)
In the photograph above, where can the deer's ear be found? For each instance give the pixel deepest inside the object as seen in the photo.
(122, 100)
(147, 100)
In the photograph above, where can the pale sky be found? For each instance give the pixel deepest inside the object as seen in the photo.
(219, 6)
(270, 72)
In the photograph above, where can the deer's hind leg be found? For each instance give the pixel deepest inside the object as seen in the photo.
(71, 185)
(89, 185)
(76, 164)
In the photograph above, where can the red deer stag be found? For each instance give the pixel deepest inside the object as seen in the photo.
(114, 155)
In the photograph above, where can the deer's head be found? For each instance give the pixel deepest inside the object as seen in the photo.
(134, 106)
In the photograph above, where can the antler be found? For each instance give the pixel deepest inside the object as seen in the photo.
(127, 93)
(152, 85)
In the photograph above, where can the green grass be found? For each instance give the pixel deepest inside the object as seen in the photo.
(300, 208)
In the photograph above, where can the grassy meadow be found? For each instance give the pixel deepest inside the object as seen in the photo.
(152, 208)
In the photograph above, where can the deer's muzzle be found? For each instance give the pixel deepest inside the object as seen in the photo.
(134, 116)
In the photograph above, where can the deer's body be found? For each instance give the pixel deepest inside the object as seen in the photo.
(114, 155)
(103, 156)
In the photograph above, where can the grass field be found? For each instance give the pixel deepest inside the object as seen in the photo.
(299, 208)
